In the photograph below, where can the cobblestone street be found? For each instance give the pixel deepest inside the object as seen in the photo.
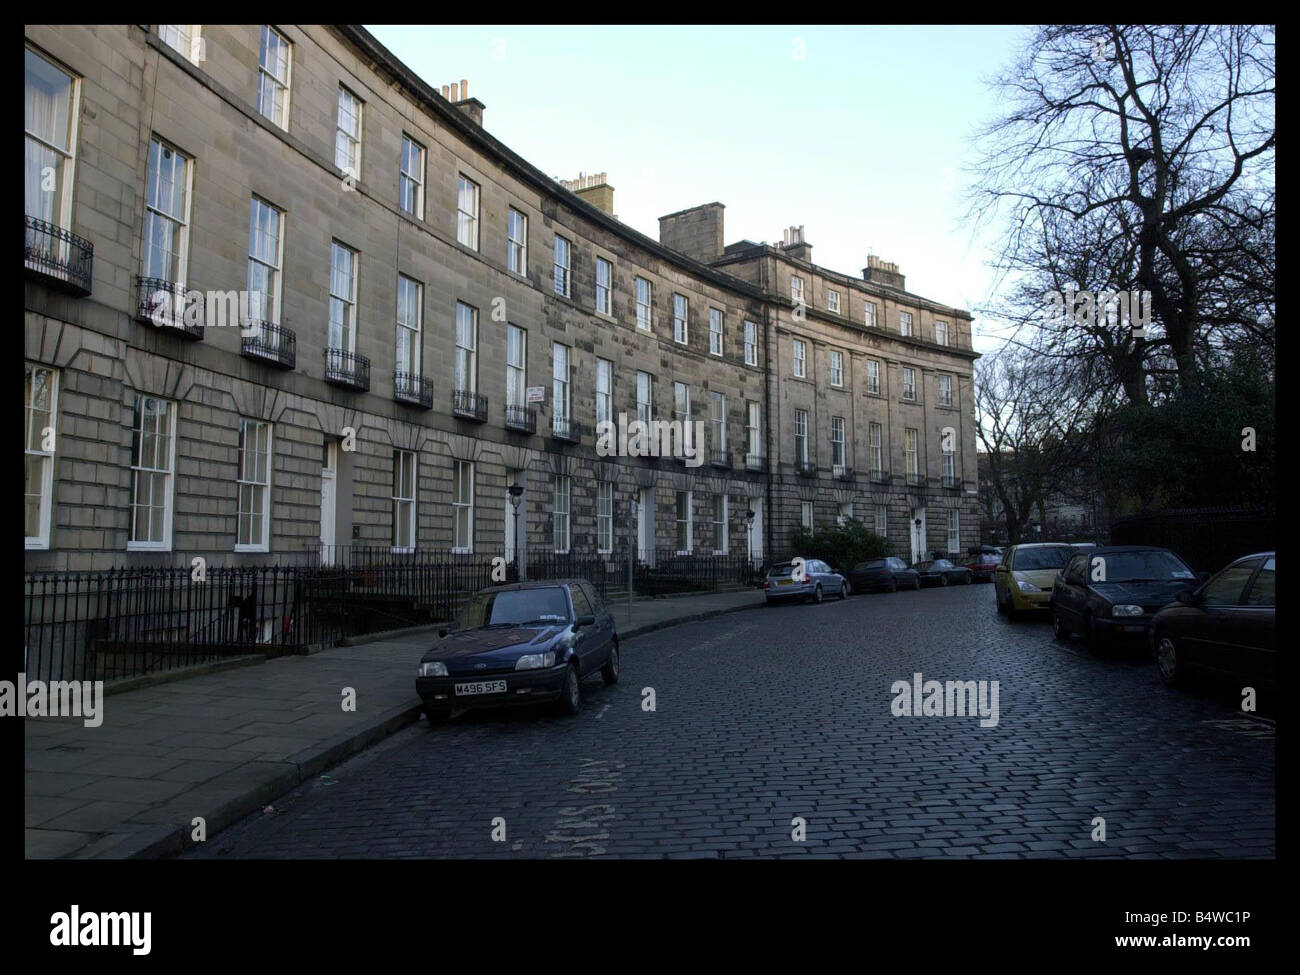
(771, 715)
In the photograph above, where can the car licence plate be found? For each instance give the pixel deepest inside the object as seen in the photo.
(482, 687)
(785, 582)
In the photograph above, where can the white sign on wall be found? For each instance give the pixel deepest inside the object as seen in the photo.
(537, 394)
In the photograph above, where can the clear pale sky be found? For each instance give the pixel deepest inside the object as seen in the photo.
(862, 140)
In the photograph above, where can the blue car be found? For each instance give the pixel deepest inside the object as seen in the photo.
(804, 579)
(525, 643)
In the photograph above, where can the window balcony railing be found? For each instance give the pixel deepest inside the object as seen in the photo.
(755, 462)
(469, 406)
(347, 369)
(720, 458)
(521, 418)
(805, 468)
(879, 476)
(915, 480)
(413, 390)
(164, 304)
(270, 343)
(57, 256)
(842, 473)
(951, 481)
(567, 429)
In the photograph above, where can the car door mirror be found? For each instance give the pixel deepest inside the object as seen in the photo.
(584, 621)
(1187, 597)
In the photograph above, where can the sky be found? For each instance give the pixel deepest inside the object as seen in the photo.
(859, 134)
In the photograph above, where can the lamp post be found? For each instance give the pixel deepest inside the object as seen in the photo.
(631, 530)
(516, 492)
(749, 533)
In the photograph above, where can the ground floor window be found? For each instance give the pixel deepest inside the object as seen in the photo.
(462, 505)
(605, 516)
(684, 540)
(561, 490)
(720, 524)
(806, 515)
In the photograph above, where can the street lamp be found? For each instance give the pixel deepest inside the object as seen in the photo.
(749, 531)
(516, 492)
(631, 528)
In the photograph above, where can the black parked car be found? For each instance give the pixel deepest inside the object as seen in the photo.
(941, 572)
(1226, 626)
(520, 644)
(1113, 592)
(889, 573)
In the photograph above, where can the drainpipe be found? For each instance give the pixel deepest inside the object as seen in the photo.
(770, 525)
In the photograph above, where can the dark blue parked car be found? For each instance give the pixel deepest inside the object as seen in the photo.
(520, 644)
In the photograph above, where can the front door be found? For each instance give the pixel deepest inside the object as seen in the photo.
(328, 493)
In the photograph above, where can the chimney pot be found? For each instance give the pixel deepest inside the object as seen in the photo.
(464, 88)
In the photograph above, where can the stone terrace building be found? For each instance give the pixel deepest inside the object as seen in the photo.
(410, 283)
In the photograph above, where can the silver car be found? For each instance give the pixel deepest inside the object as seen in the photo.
(804, 579)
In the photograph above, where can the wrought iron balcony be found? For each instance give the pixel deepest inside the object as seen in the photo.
(469, 406)
(879, 476)
(521, 418)
(755, 462)
(916, 480)
(271, 343)
(171, 306)
(719, 458)
(413, 390)
(951, 481)
(57, 256)
(565, 428)
(843, 473)
(347, 369)
(805, 468)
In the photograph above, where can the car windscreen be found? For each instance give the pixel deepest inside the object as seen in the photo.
(514, 607)
(1144, 567)
(877, 564)
(1029, 559)
(784, 569)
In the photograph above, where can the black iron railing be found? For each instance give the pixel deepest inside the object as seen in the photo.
(469, 406)
(171, 306)
(57, 256)
(915, 480)
(521, 418)
(843, 473)
(951, 481)
(347, 369)
(879, 476)
(413, 390)
(805, 468)
(755, 462)
(271, 343)
(566, 428)
(720, 458)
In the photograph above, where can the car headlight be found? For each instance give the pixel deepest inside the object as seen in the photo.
(1126, 610)
(433, 668)
(535, 661)
(1027, 586)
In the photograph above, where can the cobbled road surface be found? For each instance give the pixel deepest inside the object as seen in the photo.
(777, 721)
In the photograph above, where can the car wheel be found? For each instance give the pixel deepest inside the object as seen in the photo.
(1002, 607)
(436, 717)
(1058, 624)
(610, 670)
(916, 583)
(817, 594)
(571, 698)
(1167, 663)
(845, 589)
(943, 580)
(966, 580)
(893, 584)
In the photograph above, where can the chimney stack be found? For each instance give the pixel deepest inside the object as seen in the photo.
(882, 272)
(792, 243)
(594, 188)
(458, 95)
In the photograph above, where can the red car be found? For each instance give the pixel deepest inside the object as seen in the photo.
(982, 566)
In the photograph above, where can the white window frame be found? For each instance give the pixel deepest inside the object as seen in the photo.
(516, 366)
(267, 310)
(869, 316)
(689, 522)
(604, 390)
(799, 351)
(909, 383)
(832, 300)
(905, 324)
(347, 303)
(754, 426)
(796, 289)
(409, 334)
(945, 389)
(153, 212)
(167, 469)
(681, 319)
(468, 203)
(873, 376)
(404, 462)
(838, 448)
(682, 404)
(561, 498)
(462, 506)
(465, 364)
(836, 364)
(721, 528)
(940, 332)
(876, 442)
(252, 486)
(718, 420)
(66, 154)
(185, 39)
(563, 269)
(604, 517)
(269, 76)
(949, 458)
(644, 309)
(34, 435)
(645, 396)
(954, 530)
(414, 179)
(605, 291)
(881, 519)
(347, 133)
(716, 325)
(751, 344)
(561, 387)
(801, 436)
(806, 515)
(912, 451)
(517, 241)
